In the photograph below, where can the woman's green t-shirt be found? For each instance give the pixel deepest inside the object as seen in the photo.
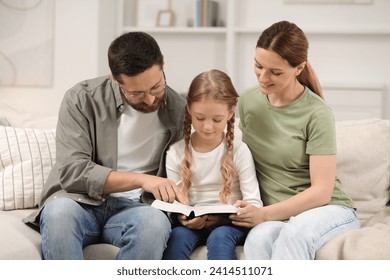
(281, 140)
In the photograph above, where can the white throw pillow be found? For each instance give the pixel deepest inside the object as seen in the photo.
(26, 158)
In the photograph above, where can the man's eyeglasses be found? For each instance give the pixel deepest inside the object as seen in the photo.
(139, 96)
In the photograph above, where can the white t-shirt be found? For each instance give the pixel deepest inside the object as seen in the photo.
(206, 174)
(141, 140)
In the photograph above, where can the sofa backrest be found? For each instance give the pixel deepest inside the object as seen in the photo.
(363, 163)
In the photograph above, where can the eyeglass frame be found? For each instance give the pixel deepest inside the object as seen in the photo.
(139, 96)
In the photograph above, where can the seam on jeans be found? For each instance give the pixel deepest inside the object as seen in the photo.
(341, 223)
(335, 226)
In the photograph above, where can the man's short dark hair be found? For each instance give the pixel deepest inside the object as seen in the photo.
(132, 53)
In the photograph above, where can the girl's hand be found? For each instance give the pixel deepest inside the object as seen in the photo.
(248, 215)
(195, 223)
(216, 220)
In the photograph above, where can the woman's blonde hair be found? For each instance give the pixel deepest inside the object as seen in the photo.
(211, 85)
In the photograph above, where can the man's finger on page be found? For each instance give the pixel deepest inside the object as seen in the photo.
(179, 195)
(163, 193)
(156, 194)
(170, 193)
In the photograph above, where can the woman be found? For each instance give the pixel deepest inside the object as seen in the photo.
(291, 133)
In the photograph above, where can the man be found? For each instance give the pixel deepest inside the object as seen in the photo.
(112, 134)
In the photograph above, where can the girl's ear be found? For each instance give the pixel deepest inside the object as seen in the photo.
(231, 112)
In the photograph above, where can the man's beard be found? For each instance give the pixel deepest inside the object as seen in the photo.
(146, 108)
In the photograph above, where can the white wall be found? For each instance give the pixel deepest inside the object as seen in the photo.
(76, 48)
(348, 44)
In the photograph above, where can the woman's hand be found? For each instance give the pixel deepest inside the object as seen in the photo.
(248, 215)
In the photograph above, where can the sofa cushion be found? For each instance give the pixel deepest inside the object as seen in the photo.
(371, 242)
(15, 117)
(200, 253)
(4, 122)
(366, 181)
(26, 158)
(18, 241)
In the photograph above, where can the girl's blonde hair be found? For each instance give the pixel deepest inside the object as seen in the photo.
(211, 85)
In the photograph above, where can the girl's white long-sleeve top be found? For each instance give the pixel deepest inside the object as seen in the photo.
(206, 174)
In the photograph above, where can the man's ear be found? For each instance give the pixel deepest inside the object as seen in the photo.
(162, 63)
(112, 77)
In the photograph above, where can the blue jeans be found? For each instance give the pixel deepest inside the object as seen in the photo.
(139, 230)
(221, 242)
(301, 236)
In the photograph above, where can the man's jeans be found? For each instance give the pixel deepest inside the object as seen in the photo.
(221, 242)
(301, 236)
(139, 230)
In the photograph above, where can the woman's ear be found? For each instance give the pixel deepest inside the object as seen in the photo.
(300, 68)
(188, 110)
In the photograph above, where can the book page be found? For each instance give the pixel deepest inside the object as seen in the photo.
(175, 207)
(202, 209)
(199, 209)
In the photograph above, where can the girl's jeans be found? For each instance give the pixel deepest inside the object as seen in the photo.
(301, 236)
(221, 242)
(139, 230)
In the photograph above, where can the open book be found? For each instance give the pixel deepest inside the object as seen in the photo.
(196, 210)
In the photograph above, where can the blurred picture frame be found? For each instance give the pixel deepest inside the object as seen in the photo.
(165, 18)
(147, 11)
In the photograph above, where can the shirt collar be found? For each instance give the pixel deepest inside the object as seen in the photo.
(120, 105)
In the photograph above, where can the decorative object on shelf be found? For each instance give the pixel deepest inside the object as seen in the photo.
(165, 18)
(148, 11)
(205, 13)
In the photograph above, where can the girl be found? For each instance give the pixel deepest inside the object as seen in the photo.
(213, 168)
(291, 133)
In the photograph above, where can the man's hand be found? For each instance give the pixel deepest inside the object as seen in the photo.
(163, 189)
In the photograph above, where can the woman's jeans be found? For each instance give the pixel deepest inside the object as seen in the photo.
(139, 230)
(221, 242)
(301, 236)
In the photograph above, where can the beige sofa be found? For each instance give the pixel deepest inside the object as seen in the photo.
(363, 165)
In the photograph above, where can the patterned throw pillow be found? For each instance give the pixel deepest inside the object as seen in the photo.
(26, 158)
